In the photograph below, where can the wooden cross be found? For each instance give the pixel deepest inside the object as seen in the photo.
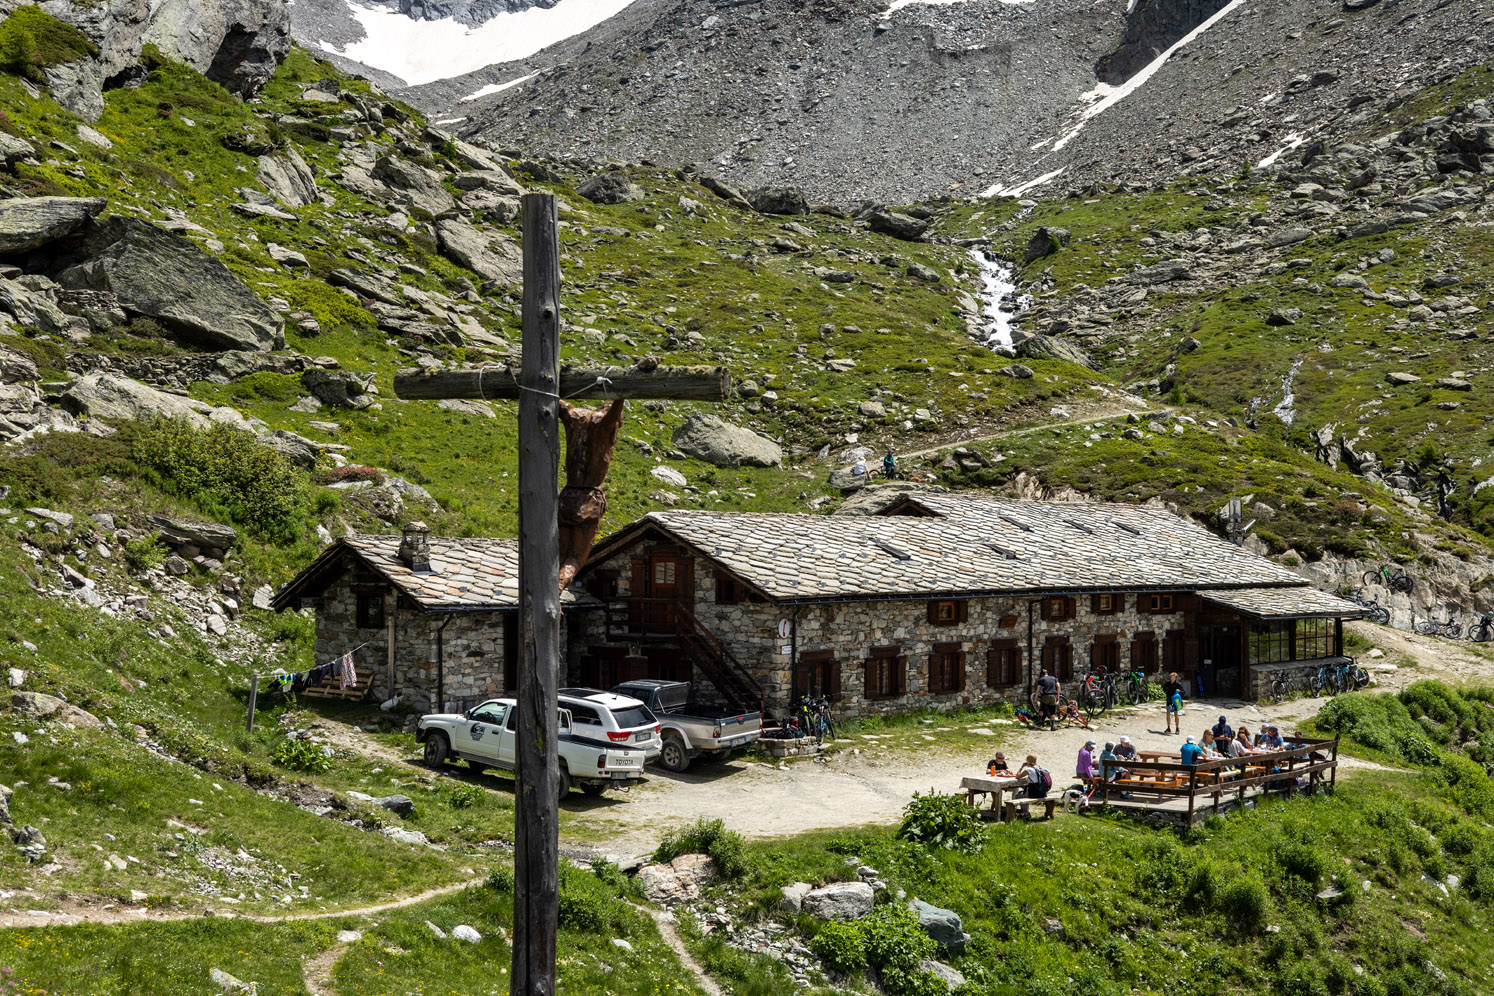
(556, 531)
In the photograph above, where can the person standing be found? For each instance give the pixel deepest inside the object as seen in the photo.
(1047, 690)
(1172, 696)
(889, 465)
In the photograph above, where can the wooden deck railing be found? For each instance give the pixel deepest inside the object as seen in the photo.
(1307, 757)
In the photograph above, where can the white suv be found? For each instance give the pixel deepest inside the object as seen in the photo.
(612, 719)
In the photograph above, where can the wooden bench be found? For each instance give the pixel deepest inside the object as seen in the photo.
(331, 688)
(1013, 807)
(1149, 784)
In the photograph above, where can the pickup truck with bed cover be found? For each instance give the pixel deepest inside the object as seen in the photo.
(485, 737)
(692, 729)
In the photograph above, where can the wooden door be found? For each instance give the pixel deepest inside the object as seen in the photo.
(668, 585)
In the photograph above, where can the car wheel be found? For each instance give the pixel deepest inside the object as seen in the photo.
(593, 789)
(674, 757)
(436, 749)
(564, 783)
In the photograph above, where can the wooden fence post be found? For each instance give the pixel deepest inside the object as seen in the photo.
(536, 825)
(253, 696)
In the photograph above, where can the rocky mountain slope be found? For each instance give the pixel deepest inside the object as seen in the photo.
(920, 99)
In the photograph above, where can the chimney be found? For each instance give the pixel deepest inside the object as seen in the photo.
(415, 546)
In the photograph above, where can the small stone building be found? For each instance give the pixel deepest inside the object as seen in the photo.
(940, 601)
(433, 619)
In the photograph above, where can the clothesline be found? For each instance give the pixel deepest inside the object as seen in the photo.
(340, 668)
(279, 671)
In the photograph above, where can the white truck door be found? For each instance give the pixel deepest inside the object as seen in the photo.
(507, 739)
(484, 736)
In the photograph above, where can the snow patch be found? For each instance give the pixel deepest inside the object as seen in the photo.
(1000, 303)
(1018, 189)
(1104, 96)
(420, 51)
(898, 5)
(493, 88)
(1292, 141)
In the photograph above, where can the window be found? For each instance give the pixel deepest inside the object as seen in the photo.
(818, 673)
(1158, 603)
(1106, 604)
(1104, 654)
(602, 584)
(490, 713)
(730, 591)
(370, 611)
(1058, 657)
(947, 668)
(1173, 652)
(1316, 638)
(1058, 608)
(583, 714)
(1004, 664)
(664, 572)
(1144, 653)
(948, 612)
(1271, 643)
(886, 673)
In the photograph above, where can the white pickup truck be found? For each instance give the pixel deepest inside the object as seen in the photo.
(485, 737)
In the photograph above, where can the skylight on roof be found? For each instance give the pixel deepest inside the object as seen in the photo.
(1080, 526)
(886, 547)
(1005, 552)
(1130, 529)
(1018, 523)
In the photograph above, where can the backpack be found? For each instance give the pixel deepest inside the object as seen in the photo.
(1041, 784)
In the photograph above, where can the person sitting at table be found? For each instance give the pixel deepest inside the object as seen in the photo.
(1210, 746)
(1029, 784)
(1110, 768)
(1271, 739)
(1084, 768)
(1223, 729)
(1239, 744)
(996, 767)
(1125, 750)
(1191, 752)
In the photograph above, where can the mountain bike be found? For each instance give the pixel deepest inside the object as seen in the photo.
(1136, 690)
(1392, 576)
(1325, 681)
(1449, 628)
(814, 717)
(1280, 687)
(1358, 677)
(1377, 612)
(1483, 630)
(1094, 694)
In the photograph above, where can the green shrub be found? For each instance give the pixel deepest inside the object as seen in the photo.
(465, 796)
(840, 945)
(301, 755)
(1299, 858)
(894, 945)
(228, 472)
(501, 879)
(588, 904)
(1245, 901)
(708, 837)
(145, 553)
(943, 821)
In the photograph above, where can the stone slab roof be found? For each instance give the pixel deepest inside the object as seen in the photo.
(986, 547)
(1286, 603)
(467, 573)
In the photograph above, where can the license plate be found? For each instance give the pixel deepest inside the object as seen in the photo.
(639, 737)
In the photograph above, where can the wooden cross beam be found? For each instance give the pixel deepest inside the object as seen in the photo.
(556, 531)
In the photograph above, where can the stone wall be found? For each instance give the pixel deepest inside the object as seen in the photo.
(849, 630)
(473, 648)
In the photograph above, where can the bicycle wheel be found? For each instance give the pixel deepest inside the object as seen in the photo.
(1112, 695)
(1426, 627)
(1277, 691)
(1372, 578)
(827, 728)
(1403, 583)
(1315, 685)
(1454, 630)
(1380, 614)
(1479, 634)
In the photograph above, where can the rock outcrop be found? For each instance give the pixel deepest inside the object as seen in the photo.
(706, 437)
(29, 223)
(494, 256)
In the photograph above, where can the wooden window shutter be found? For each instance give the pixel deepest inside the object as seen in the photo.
(962, 612)
(959, 682)
(900, 674)
(640, 577)
(934, 612)
(1094, 604)
(832, 679)
(1045, 609)
(1119, 602)
(994, 660)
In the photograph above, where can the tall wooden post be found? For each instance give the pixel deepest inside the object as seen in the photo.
(537, 819)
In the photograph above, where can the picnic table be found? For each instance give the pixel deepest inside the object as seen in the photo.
(975, 785)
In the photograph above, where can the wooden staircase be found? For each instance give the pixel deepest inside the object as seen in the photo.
(672, 621)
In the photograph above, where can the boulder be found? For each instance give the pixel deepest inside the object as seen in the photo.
(847, 481)
(414, 185)
(178, 532)
(1053, 348)
(288, 179)
(28, 223)
(778, 200)
(495, 180)
(163, 276)
(400, 805)
(793, 896)
(287, 257)
(952, 977)
(340, 388)
(839, 901)
(16, 366)
(106, 395)
(491, 255)
(1288, 237)
(669, 476)
(5, 797)
(1159, 273)
(612, 187)
(13, 149)
(39, 706)
(726, 192)
(678, 881)
(706, 437)
(462, 932)
(944, 926)
(236, 43)
(1400, 378)
(1045, 242)
(897, 225)
(1016, 370)
(368, 285)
